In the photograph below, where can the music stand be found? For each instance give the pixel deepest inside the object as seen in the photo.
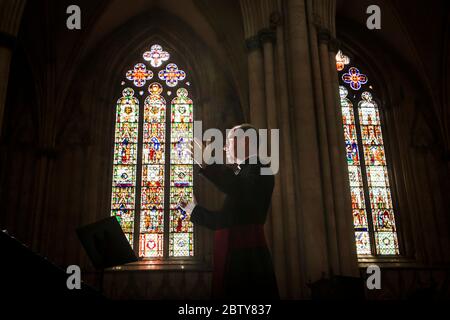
(106, 245)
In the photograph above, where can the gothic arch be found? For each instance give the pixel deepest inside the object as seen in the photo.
(403, 96)
(97, 85)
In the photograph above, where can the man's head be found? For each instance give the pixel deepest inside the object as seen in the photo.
(241, 143)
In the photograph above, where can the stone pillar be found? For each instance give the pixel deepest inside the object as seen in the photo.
(324, 147)
(10, 17)
(255, 17)
(289, 210)
(307, 166)
(256, 83)
(340, 222)
(268, 37)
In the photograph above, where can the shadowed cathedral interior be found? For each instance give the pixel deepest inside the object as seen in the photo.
(362, 114)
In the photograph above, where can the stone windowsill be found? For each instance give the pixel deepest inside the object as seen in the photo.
(389, 262)
(163, 265)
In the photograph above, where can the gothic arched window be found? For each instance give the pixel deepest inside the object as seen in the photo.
(373, 212)
(152, 172)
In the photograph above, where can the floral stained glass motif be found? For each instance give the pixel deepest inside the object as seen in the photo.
(125, 160)
(373, 212)
(139, 75)
(156, 56)
(181, 229)
(354, 78)
(171, 75)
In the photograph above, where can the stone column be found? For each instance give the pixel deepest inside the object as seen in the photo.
(255, 16)
(340, 222)
(268, 37)
(324, 146)
(289, 208)
(307, 167)
(10, 17)
(256, 82)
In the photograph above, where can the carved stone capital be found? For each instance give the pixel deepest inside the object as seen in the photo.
(252, 43)
(267, 35)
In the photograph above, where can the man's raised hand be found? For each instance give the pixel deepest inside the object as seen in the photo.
(195, 151)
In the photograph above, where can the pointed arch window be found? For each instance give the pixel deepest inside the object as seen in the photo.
(152, 171)
(373, 211)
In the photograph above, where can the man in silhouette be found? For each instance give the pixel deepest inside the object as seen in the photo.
(242, 262)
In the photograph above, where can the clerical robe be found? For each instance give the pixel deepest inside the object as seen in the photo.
(242, 262)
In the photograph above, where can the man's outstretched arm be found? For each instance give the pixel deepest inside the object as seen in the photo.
(213, 220)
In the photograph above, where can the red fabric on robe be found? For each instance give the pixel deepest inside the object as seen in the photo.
(226, 240)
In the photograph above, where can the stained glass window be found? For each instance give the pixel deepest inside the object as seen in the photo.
(152, 172)
(371, 195)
